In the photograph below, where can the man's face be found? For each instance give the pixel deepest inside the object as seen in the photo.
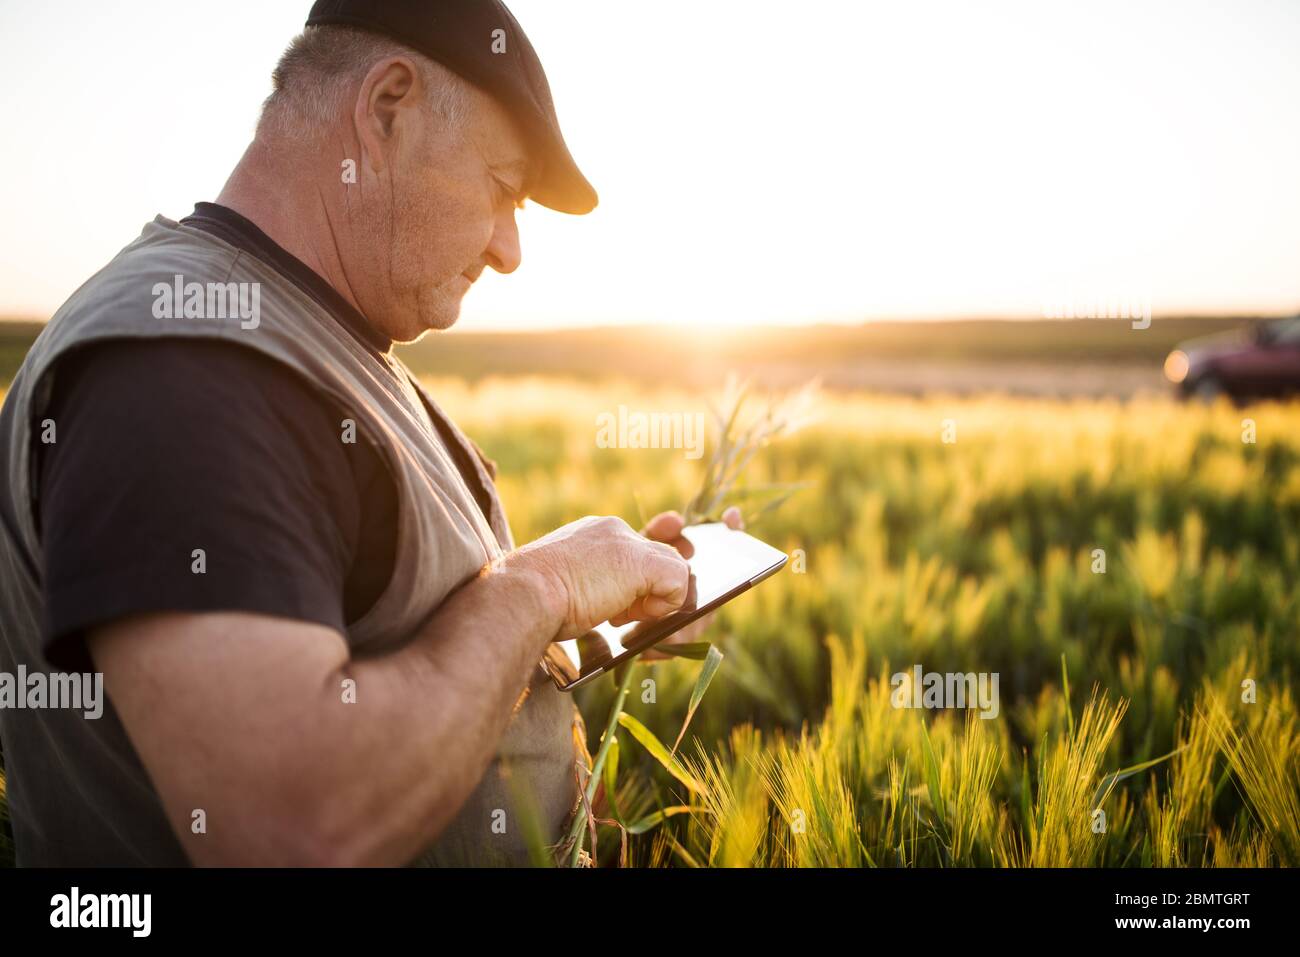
(441, 212)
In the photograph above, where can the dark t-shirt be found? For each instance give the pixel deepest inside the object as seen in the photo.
(168, 446)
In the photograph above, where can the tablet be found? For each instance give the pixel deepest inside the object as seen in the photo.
(726, 562)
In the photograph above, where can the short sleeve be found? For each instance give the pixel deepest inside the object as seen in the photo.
(189, 476)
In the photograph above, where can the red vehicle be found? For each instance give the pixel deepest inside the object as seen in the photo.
(1261, 361)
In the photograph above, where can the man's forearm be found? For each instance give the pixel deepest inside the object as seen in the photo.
(427, 718)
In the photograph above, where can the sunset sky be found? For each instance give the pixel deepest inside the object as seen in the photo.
(756, 163)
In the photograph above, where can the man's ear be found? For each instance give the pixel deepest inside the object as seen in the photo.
(387, 107)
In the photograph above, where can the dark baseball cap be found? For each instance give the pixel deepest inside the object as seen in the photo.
(463, 36)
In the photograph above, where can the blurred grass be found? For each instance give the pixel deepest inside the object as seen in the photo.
(975, 556)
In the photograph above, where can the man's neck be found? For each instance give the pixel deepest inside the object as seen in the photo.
(293, 216)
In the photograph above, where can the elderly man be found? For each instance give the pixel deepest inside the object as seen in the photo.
(319, 642)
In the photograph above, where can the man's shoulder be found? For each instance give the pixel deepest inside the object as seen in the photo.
(187, 362)
(216, 378)
(163, 252)
(120, 300)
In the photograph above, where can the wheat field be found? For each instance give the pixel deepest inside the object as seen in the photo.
(1128, 570)
(974, 555)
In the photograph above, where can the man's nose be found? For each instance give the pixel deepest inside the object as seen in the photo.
(503, 253)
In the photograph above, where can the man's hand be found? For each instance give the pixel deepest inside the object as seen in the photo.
(602, 570)
(667, 527)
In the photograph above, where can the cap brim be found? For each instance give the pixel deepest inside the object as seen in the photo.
(562, 186)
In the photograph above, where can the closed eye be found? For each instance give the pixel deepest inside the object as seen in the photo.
(509, 193)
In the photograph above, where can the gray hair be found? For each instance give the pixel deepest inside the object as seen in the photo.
(322, 65)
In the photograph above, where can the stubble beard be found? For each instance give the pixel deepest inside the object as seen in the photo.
(425, 306)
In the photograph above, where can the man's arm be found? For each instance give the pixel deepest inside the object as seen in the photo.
(243, 716)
